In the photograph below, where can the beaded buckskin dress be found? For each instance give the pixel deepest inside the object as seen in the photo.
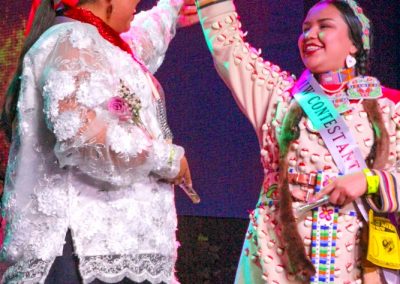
(263, 92)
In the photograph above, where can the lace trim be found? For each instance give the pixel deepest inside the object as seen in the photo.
(155, 268)
(29, 271)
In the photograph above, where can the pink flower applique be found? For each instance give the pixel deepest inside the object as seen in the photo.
(120, 108)
(126, 106)
(326, 213)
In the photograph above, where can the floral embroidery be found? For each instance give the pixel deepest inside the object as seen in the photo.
(98, 83)
(79, 39)
(67, 125)
(326, 213)
(135, 141)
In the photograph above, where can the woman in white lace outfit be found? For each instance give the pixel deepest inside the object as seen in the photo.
(91, 150)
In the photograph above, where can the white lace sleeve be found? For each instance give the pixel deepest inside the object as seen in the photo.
(151, 32)
(95, 121)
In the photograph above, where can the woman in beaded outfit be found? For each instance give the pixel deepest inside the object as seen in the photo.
(322, 246)
(91, 150)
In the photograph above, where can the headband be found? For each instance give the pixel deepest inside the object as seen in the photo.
(363, 20)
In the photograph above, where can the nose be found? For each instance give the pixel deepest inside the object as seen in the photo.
(310, 33)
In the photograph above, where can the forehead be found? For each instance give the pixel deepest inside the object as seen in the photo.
(324, 11)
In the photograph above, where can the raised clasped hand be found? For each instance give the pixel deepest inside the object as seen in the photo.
(344, 189)
(188, 14)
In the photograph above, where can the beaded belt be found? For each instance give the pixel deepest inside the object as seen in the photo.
(303, 179)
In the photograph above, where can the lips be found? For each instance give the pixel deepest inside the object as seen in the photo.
(311, 48)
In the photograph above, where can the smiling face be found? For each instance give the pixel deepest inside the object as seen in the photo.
(325, 41)
(122, 14)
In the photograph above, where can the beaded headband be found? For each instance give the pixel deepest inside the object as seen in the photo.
(363, 20)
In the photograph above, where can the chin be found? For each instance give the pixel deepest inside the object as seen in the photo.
(318, 70)
(316, 67)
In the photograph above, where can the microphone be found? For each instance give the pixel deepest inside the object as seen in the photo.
(190, 192)
(301, 210)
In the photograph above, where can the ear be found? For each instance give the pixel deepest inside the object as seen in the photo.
(353, 49)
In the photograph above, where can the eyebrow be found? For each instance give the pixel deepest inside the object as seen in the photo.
(320, 20)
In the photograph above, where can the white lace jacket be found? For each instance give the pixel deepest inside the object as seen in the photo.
(75, 165)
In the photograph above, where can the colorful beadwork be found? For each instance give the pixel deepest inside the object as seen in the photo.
(324, 235)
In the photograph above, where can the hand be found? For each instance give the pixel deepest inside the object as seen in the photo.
(184, 174)
(188, 14)
(344, 189)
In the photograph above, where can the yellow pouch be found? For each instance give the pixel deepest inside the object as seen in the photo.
(383, 242)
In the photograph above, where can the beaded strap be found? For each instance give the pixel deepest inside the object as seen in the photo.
(324, 235)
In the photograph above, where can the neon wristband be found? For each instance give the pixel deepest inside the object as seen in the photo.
(372, 182)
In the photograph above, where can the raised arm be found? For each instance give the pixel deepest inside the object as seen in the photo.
(256, 84)
(152, 31)
(93, 120)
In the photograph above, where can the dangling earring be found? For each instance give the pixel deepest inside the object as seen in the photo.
(350, 61)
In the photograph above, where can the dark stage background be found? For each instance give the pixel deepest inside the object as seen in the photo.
(221, 145)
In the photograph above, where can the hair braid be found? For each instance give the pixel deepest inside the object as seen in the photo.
(299, 262)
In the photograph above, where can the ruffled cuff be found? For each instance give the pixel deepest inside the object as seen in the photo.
(387, 199)
(167, 158)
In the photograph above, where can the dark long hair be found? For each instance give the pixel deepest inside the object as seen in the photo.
(298, 260)
(44, 19)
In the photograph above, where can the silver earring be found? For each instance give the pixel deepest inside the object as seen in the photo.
(350, 61)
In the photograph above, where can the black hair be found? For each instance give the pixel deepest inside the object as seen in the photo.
(43, 20)
(355, 34)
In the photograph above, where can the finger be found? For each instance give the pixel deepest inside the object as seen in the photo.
(334, 197)
(185, 21)
(177, 181)
(188, 178)
(189, 10)
(347, 200)
(194, 19)
(325, 191)
(341, 199)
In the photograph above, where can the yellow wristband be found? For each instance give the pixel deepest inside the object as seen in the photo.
(372, 181)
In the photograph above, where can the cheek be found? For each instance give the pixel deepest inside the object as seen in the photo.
(300, 42)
